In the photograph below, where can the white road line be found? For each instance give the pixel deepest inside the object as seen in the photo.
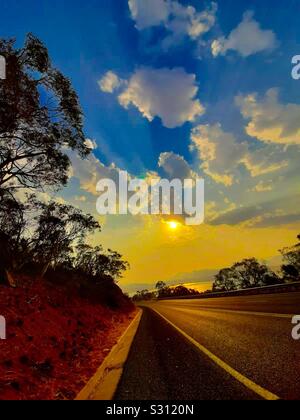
(262, 392)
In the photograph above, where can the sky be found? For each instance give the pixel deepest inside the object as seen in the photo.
(176, 88)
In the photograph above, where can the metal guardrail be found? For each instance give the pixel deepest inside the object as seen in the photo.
(278, 288)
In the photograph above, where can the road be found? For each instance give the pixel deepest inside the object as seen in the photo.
(215, 349)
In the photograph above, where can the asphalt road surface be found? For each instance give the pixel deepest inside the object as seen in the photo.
(215, 349)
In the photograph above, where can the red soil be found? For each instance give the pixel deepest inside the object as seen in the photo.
(55, 341)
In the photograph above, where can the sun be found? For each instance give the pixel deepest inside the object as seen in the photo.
(173, 225)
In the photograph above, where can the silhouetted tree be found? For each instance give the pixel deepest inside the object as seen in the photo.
(40, 118)
(60, 228)
(143, 295)
(250, 273)
(291, 270)
(15, 233)
(160, 285)
(97, 263)
(245, 274)
(165, 292)
(181, 291)
(225, 281)
(40, 123)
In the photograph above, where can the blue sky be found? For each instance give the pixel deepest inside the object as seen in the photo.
(245, 141)
(86, 39)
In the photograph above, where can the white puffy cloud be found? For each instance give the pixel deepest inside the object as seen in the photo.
(175, 166)
(221, 154)
(271, 121)
(110, 82)
(247, 39)
(186, 21)
(180, 21)
(90, 170)
(169, 94)
(147, 13)
(91, 144)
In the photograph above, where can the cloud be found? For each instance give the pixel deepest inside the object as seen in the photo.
(91, 144)
(221, 155)
(148, 13)
(214, 210)
(266, 159)
(263, 187)
(187, 22)
(219, 151)
(169, 94)
(192, 278)
(247, 39)
(237, 216)
(275, 212)
(175, 166)
(110, 82)
(270, 121)
(90, 170)
(179, 21)
(276, 220)
(80, 198)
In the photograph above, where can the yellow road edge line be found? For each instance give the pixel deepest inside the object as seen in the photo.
(262, 392)
(103, 385)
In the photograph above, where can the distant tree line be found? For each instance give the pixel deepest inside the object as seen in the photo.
(249, 273)
(40, 121)
(246, 274)
(164, 291)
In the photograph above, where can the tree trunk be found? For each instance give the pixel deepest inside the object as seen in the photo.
(45, 269)
(11, 279)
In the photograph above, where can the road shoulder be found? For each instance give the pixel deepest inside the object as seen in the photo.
(104, 383)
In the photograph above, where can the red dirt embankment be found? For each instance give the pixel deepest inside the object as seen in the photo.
(55, 340)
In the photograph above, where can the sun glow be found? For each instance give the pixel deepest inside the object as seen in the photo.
(173, 225)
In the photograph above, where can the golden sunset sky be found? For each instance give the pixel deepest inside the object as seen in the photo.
(183, 89)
